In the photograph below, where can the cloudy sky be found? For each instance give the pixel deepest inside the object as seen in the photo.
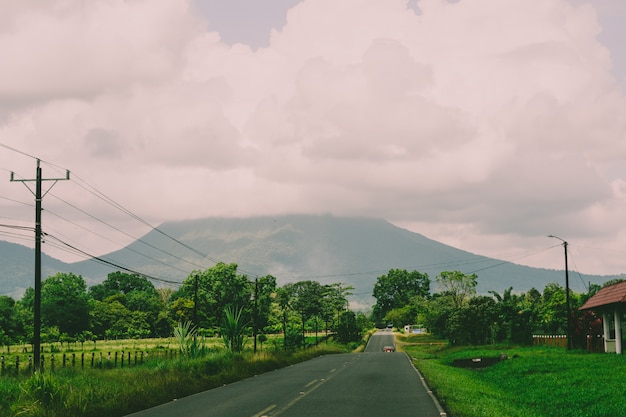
(483, 124)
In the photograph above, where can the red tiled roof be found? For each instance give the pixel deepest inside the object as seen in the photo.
(608, 295)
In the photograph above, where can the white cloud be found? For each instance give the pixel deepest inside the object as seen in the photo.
(480, 123)
(77, 49)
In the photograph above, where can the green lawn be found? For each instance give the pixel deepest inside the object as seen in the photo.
(532, 382)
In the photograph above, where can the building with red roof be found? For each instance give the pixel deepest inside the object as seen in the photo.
(611, 303)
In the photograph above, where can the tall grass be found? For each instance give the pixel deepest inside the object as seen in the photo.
(532, 382)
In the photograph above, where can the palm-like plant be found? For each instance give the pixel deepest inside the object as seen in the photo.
(233, 329)
(186, 337)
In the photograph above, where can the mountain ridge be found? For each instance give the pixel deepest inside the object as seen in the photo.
(350, 250)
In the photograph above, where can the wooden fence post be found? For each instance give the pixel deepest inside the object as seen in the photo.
(17, 365)
(30, 364)
(122, 358)
(52, 362)
(1, 365)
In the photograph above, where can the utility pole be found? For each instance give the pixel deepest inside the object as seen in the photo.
(569, 324)
(195, 301)
(255, 312)
(37, 302)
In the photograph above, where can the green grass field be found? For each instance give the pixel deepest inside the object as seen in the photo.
(101, 353)
(531, 382)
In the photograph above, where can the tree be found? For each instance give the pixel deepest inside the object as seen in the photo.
(217, 288)
(348, 330)
(396, 289)
(517, 316)
(149, 304)
(399, 317)
(307, 301)
(263, 294)
(65, 303)
(437, 312)
(472, 323)
(122, 283)
(23, 311)
(334, 300)
(554, 317)
(458, 286)
(138, 295)
(165, 295)
(507, 307)
(182, 310)
(284, 297)
(8, 320)
(107, 315)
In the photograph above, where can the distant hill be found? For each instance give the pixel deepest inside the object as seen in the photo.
(354, 251)
(17, 268)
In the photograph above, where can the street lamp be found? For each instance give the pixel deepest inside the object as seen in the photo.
(569, 327)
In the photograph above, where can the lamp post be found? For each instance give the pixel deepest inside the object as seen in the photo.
(569, 327)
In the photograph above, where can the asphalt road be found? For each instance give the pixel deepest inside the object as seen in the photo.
(372, 383)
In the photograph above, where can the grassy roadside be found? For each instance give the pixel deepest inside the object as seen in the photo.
(74, 392)
(531, 382)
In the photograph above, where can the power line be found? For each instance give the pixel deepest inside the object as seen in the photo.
(11, 226)
(94, 191)
(18, 151)
(578, 273)
(113, 264)
(17, 236)
(125, 233)
(126, 248)
(514, 259)
(97, 193)
(16, 201)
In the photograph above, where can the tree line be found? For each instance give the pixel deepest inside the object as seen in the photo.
(129, 306)
(454, 311)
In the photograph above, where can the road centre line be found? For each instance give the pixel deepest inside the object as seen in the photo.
(265, 410)
(332, 373)
(311, 383)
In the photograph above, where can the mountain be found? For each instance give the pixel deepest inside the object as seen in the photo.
(17, 268)
(328, 249)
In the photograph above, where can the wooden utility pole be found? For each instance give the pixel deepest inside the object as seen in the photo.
(255, 311)
(37, 302)
(567, 303)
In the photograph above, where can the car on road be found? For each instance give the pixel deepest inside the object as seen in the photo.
(389, 349)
